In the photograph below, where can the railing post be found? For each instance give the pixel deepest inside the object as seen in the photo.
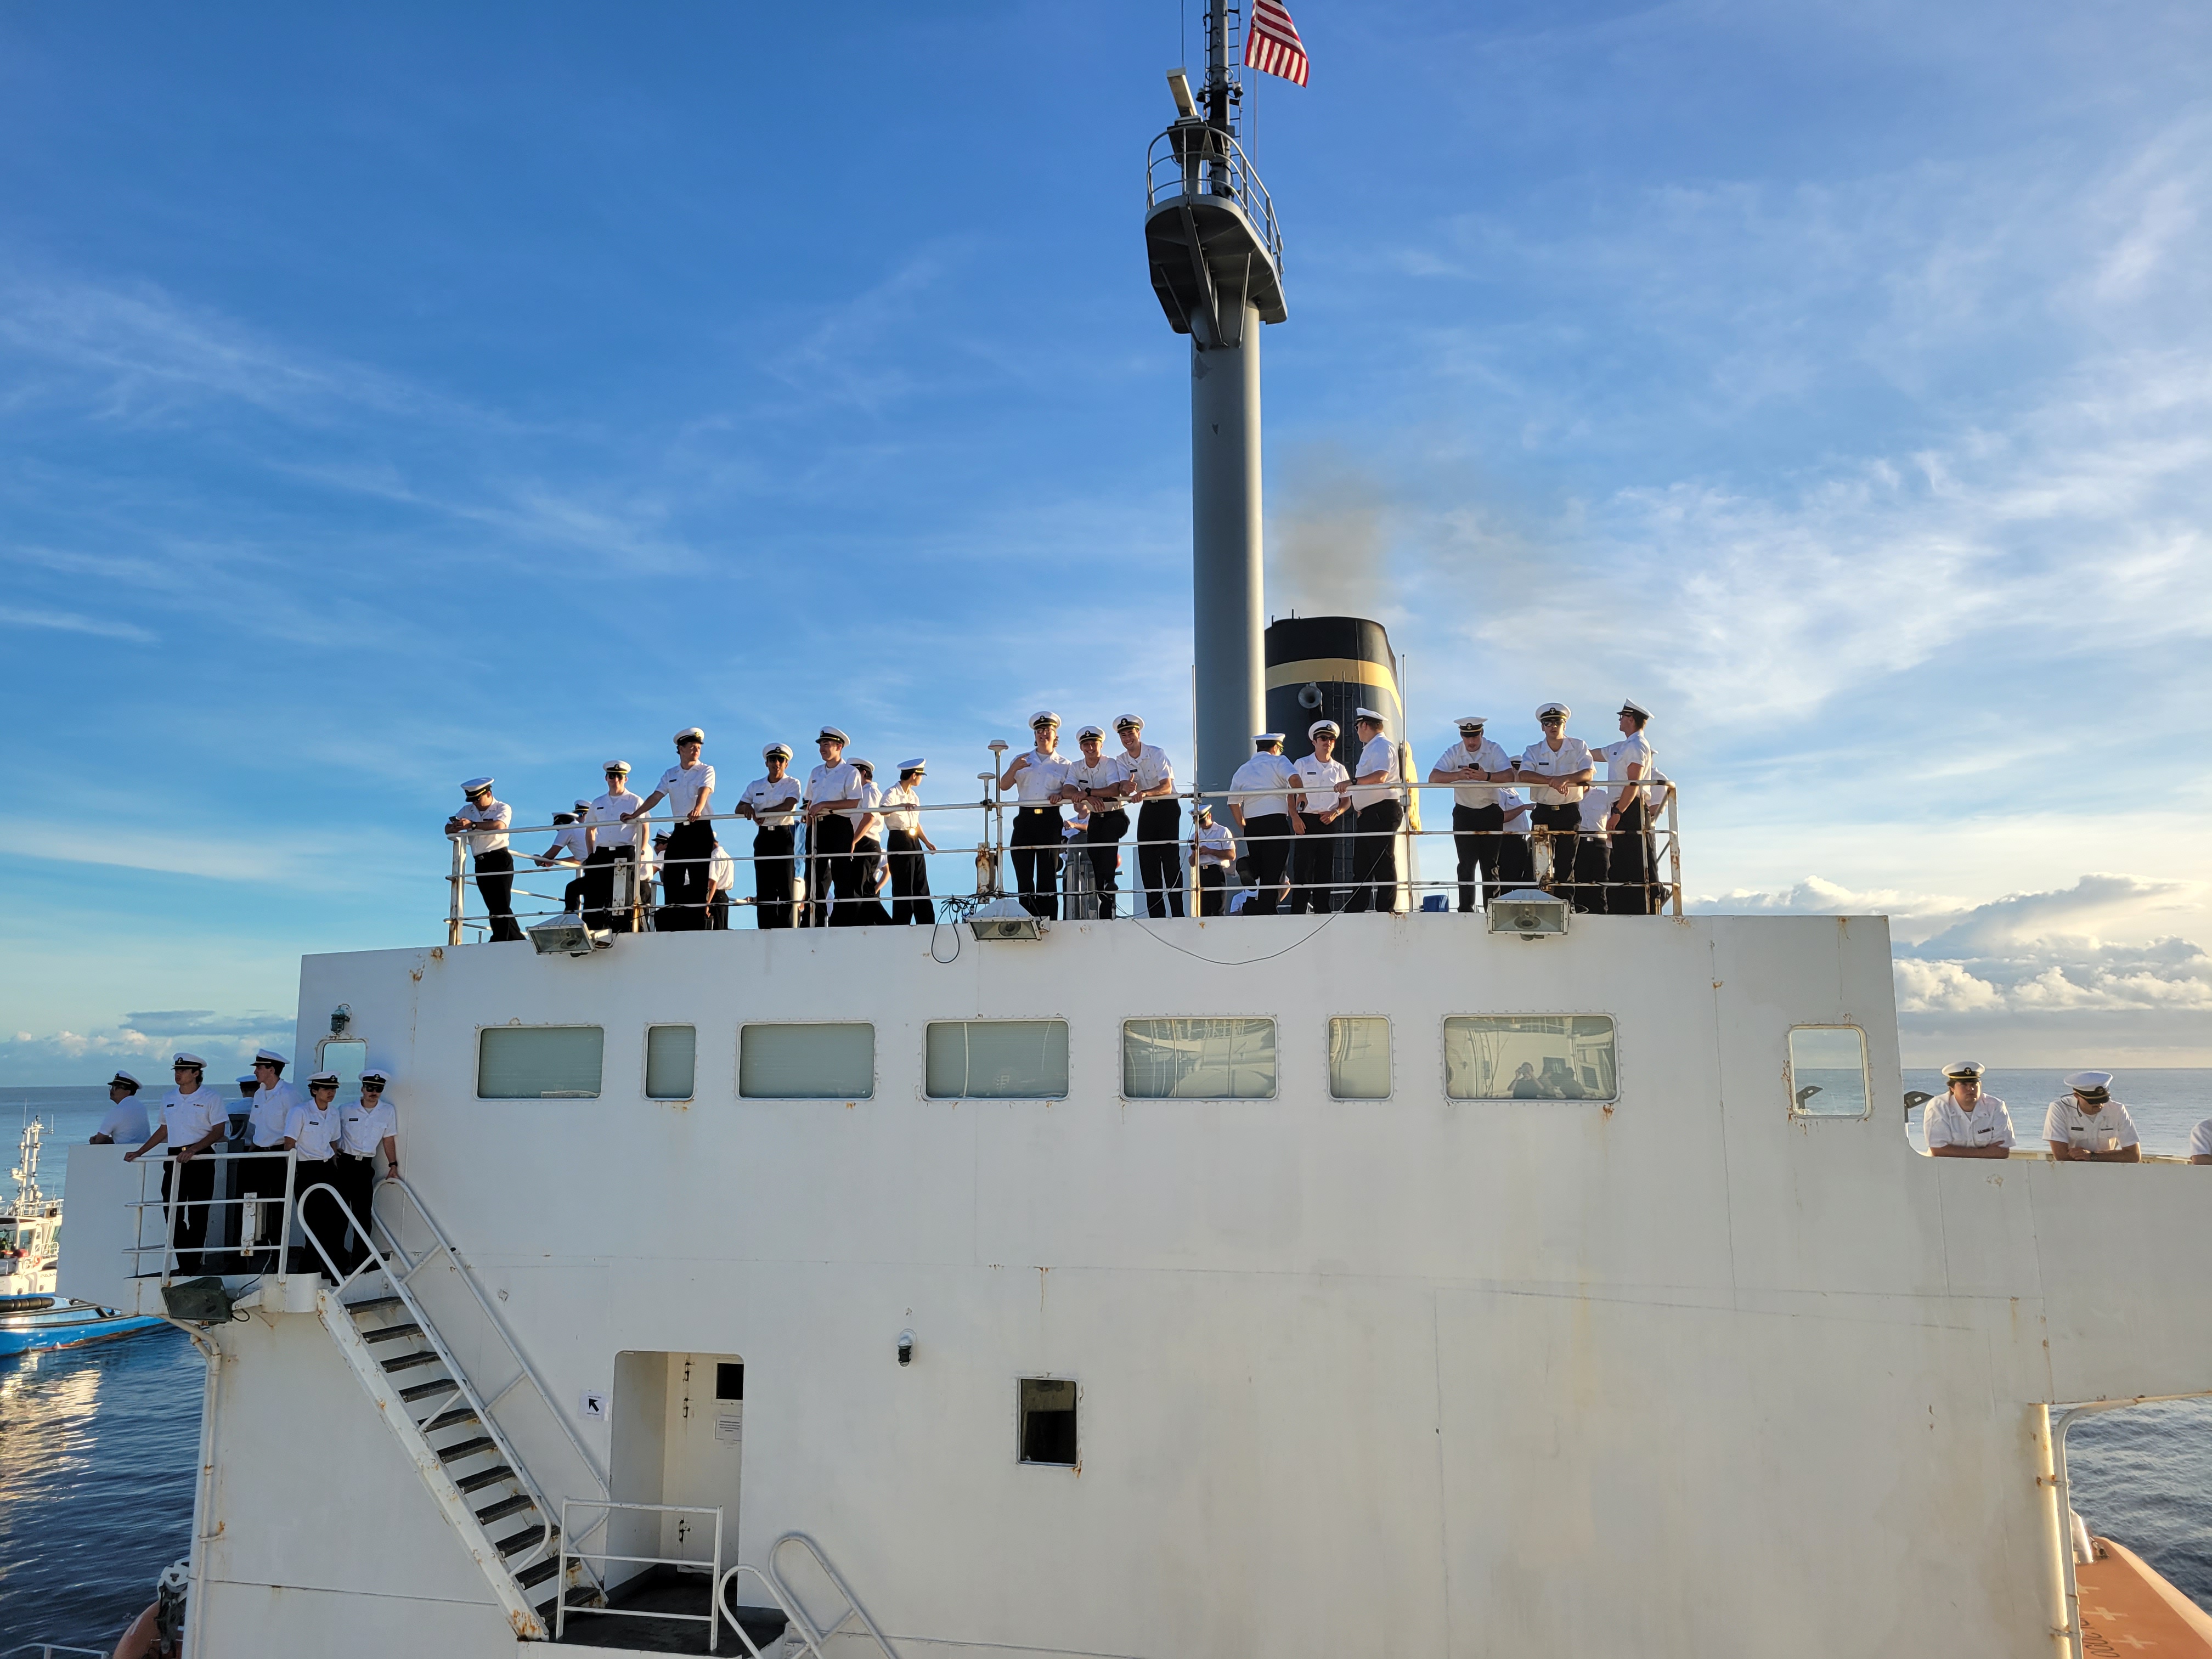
(1674, 851)
(456, 881)
(284, 1222)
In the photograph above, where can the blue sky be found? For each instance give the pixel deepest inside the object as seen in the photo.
(393, 394)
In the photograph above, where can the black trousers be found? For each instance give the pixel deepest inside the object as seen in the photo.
(600, 889)
(321, 1216)
(1476, 832)
(1517, 864)
(193, 1182)
(772, 877)
(496, 882)
(260, 1176)
(1159, 857)
(1375, 858)
(1035, 844)
(1213, 885)
(910, 903)
(1632, 871)
(857, 904)
(357, 1184)
(829, 847)
(572, 897)
(1104, 840)
(1313, 865)
(1565, 824)
(1592, 853)
(1269, 837)
(686, 880)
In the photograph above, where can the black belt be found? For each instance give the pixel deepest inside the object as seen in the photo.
(1040, 809)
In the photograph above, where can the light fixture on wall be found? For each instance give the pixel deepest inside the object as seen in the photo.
(1530, 912)
(905, 1347)
(341, 1016)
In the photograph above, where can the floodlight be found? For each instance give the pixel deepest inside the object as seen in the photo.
(567, 935)
(1530, 912)
(1004, 918)
(1178, 84)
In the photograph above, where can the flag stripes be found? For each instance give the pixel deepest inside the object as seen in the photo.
(1272, 43)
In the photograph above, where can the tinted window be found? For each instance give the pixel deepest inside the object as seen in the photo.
(1529, 1057)
(539, 1062)
(807, 1062)
(1198, 1059)
(1828, 1071)
(996, 1060)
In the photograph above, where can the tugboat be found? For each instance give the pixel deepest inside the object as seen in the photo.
(31, 1314)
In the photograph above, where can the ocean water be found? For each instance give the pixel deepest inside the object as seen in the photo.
(97, 1444)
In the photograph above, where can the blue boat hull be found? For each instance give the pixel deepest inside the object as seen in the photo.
(68, 1325)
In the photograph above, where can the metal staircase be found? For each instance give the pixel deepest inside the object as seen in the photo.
(448, 1430)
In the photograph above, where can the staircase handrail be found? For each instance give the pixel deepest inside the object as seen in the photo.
(788, 1599)
(468, 1277)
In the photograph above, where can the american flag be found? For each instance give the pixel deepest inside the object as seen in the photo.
(1272, 43)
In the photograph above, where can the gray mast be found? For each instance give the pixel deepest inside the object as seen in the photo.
(1216, 258)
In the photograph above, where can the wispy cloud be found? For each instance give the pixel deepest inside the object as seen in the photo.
(68, 621)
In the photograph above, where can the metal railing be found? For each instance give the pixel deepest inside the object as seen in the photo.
(788, 1603)
(1565, 862)
(714, 1616)
(175, 1209)
(48, 1650)
(1193, 161)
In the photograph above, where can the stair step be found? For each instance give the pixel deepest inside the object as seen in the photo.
(370, 1305)
(453, 1418)
(425, 1390)
(505, 1507)
(539, 1574)
(490, 1477)
(392, 1333)
(528, 1538)
(428, 1356)
(456, 1452)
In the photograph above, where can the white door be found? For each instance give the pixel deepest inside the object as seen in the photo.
(705, 1450)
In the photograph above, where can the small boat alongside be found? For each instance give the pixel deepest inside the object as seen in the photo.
(31, 1314)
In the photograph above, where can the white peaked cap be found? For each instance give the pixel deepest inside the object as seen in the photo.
(580, 804)
(1128, 722)
(122, 1076)
(1043, 717)
(328, 1080)
(189, 1059)
(1267, 737)
(1090, 732)
(475, 784)
(1558, 708)
(917, 764)
(249, 1081)
(691, 735)
(271, 1053)
(1965, 1070)
(769, 751)
(1320, 727)
(1375, 714)
(1466, 720)
(1629, 706)
(831, 734)
(860, 765)
(2089, 1082)
(616, 766)
(376, 1074)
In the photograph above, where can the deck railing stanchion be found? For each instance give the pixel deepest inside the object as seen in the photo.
(458, 881)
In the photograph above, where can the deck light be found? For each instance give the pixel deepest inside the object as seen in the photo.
(1004, 918)
(1178, 84)
(567, 935)
(905, 1347)
(1529, 912)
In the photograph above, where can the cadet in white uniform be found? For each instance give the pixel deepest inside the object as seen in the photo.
(484, 822)
(863, 909)
(1324, 812)
(1477, 823)
(909, 846)
(1159, 818)
(687, 787)
(572, 845)
(311, 1134)
(259, 1177)
(2200, 1143)
(367, 1126)
(126, 1122)
(1964, 1122)
(1259, 799)
(833, 789)
(772, 803)
(1095, 785)
(194, 1118)
(2089, 1126)
(1376, 797)
(1214, 850)
(611, 839)
(1631, 876)
(1036, 778)
(1557, 769)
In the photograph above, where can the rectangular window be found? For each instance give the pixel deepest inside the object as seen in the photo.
(1359, 1059)
(996, 1059)
(729, 1380)
(1198, 1059)
(539, 1062)
(345, 1056)
(1048, 1421)
(807, 1062)
(1828, 1071)
(1530, 1057)
(671, 1052)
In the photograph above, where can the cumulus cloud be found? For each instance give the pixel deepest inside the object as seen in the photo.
(143, 1042)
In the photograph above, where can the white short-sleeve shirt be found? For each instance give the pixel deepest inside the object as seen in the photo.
(1571, 757)
(361, 1128)
(603, 818)
(272, 1110)
(774, 803)
(1381, 755)
(1516, 810)
(1111, 771)
(125, 1123)
(1216, 845)
(838, 782)
(496, 816)
(2108, 1129)
(1037, 781)
(1484, 757)
(189, 1117)
(1949, 1124)
(569, 841)
(683, 785)
(2200, 1140)
(1257, 786)
(1151, 767)
(870, 797)
(898, 803)
(1317, 780)
(313, 1133)
(1634, 749)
